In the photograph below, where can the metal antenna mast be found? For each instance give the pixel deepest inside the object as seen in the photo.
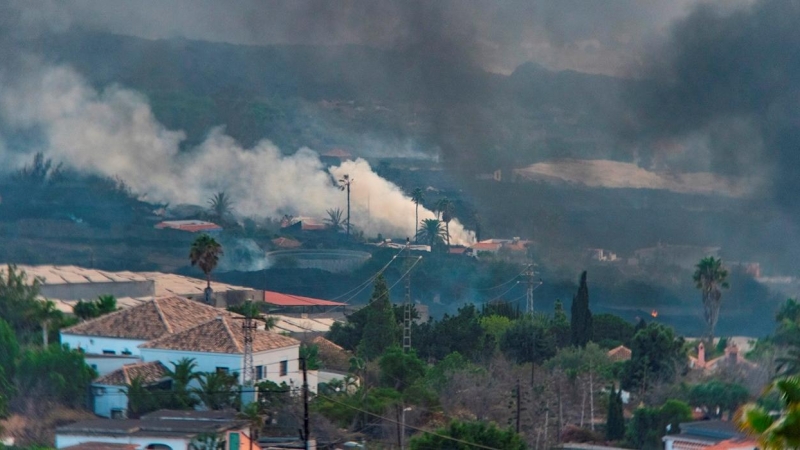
(248, 371)
(531, 285)
(407, 307)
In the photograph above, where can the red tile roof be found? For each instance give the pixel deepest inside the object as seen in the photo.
(620, 353)
(149, 372)
(338, 153)
(486, 247)
(192, 226)
(279, 299)
(221, 335)
(150, 320)
(731, 444)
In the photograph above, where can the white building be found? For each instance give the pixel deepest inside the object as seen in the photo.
(65, 285)
(109, 391)
(146, 339)
(218, 345)
(162, 430)
(113, 340)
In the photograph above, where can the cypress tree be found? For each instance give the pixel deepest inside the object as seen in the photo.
(615, 421)
(581, 321)
(380, 330)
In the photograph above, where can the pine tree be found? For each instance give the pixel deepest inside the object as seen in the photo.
(615, 421)
(581, 323)
(381, 329)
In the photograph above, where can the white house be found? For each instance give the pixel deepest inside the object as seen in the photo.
(146, 339)
(109, 392)
(162, 430)
(218, 345)
(112, 341)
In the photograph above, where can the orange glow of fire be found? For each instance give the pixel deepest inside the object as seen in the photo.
(654, 313)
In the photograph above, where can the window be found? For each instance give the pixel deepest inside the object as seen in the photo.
(284, 368)
(223, 370)
(109, 352)
(261, 372)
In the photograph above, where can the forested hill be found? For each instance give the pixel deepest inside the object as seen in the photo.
(327, 96)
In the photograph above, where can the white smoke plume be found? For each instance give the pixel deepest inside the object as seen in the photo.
(113, 132)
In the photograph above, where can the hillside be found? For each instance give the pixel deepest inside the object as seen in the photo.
(356, 97)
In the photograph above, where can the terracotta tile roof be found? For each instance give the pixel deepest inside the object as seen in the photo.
(338, 153)
(150, 320)
(281, 299)
(332, 355)
(486, 247)
(735, 444)
(150, 372)
(220, 335)
(620, 353)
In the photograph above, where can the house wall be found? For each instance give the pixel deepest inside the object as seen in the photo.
(63, 441)
(208, 362)
(96, 345)
(108, 398)
(106, 364)
(90, 291)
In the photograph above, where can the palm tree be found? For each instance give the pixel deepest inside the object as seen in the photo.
(334, 219)
(431, 232)
(217, 390)
(182, 374)
(255, 418)
(344, 184)
(140, 399)
(205, 253)
(417, 196)
(220, 205)
(709, 277)
(775, 432)
(106, 304)
(445, 206)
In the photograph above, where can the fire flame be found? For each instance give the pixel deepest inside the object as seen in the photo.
(654, 313)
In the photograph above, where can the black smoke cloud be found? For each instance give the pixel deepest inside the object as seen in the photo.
(727, 87)
(568, 34)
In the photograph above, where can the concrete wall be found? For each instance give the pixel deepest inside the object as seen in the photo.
(90, 291)
(108, 398)
(96, 345)
(209, 362)
(107, 364)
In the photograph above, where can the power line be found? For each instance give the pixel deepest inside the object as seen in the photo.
(422, 430)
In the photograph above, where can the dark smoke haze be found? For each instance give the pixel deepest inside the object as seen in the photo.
(723, 93)
(600, 37)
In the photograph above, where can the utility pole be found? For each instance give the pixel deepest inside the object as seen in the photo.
(519, 403)
(306, 432)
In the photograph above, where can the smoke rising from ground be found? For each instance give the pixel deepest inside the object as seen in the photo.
(113, 132)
